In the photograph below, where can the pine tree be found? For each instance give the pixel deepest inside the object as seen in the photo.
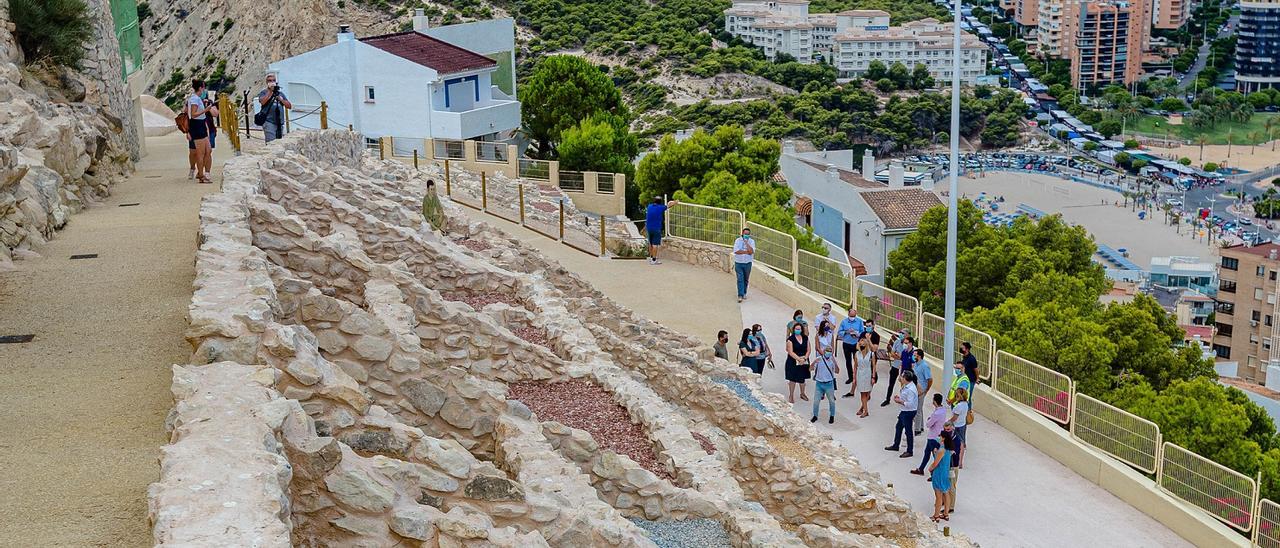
(51, 31)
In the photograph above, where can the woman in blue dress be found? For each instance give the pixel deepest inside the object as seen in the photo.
(939, 476)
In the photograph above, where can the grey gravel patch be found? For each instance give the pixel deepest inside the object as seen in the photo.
(691, 533)
(743, 392)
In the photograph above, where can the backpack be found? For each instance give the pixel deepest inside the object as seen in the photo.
(183, 122)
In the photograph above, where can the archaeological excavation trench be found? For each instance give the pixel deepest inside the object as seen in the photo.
(360, 378)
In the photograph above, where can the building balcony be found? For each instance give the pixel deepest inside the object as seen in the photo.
(495, 116)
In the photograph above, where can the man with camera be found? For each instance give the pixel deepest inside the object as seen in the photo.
(272, 101)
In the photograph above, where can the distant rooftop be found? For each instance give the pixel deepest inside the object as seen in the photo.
(847, 176)
(900, 207)
(441, 56)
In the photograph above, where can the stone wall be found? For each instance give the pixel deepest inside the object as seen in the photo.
(104, 84)
(59, 152)
(366, 357)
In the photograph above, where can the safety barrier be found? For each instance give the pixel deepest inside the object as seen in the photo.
(535, 169)
(774, 248)
(1222, 492)
(704, 223)
(605, 183)
(827, 277)
(931, 341)
(1266, 530)
(1131, 439)
(447, 149)
(572, 181)
(1046, 391)
(890, 309)
(492, 152)
(229, 121)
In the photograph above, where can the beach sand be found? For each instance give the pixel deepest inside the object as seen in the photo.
(1081, 204)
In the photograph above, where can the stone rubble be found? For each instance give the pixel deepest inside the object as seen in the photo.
(361, 404)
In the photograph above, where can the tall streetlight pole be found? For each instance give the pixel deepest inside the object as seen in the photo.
(949, 332)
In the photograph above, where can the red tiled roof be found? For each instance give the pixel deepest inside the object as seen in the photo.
(1204, 331)
(443, 57)
(1259, 250)
(900, 207)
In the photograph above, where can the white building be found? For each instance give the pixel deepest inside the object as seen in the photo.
(453, 82)
(925, 42)
(851, 39)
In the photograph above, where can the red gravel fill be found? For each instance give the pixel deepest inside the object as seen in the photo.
(543, 206)
(705, 442)
(533, 335)
(586, 406)
(480, 300)
(474, 245)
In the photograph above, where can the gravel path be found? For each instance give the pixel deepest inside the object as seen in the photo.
(85, 402)
(480, 300)
(586, 406)
(691, 533)
(743, 392)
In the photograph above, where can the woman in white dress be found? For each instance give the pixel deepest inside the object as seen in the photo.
(865, 360)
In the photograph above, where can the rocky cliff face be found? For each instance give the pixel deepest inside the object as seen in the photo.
(230, 42)
(58, 152)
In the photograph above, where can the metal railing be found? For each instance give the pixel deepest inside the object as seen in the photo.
(1123, 435)
(407, 147)
(572, 181)
(931, 341)
(1046, 391)
(824, 276)
(774, 248)
(890, 309)
(491, 152)
(605, 183)
(535, 169)
(1222, 492)
(453, 150)
(1266, 530)
(704, 223)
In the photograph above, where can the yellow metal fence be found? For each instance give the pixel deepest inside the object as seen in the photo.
(1036, 386)
(774, 248)
(704, 223)
(1123, 435)
(931, 341)
(1222, 492)
(827, 277)
(890, 309)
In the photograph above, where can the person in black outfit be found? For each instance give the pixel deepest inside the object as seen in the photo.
(970, 363)
(797, 366)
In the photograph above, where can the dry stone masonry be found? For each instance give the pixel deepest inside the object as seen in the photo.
(360, 378)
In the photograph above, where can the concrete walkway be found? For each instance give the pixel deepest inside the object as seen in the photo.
(1010, 493)
(85, 402)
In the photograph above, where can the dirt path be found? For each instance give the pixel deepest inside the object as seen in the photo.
(85, 402)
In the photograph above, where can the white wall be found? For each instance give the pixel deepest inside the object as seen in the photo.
(324, 69)
(866, 243)
(402, 107)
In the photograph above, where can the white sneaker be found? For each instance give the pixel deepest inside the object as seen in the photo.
(191, 174)
(650, 260)
(655, 261)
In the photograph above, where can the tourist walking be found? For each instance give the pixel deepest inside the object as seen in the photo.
(940, 477)
(850, 330)
(908, 401)
(272, 101)
(748, 351)
(722, 338)
(744, 252)
(924, 382)
(198, 128)
(866, 375)
(934, 425)
(961, 416)
(824, 379)
(766, 353)
(796, 368)
(905, 363)
(655, 219)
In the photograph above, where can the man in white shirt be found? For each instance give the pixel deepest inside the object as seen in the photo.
(908, 400)
(826, 316)
(744, 252)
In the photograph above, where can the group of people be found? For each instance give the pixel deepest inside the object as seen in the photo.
(201, 131)
(813, 355)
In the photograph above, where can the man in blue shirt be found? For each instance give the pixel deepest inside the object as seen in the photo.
(655, 219)
(849, 331)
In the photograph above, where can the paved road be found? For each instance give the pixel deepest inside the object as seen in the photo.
(1213, 197)
(1203, 58)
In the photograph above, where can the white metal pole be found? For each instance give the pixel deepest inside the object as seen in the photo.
(949, 338)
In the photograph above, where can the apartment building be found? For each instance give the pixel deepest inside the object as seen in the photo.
(1170, 14)
(925, 42)
(1247, 327)
(1104, 41)
(1258, 46)
(1027, 14)
(1048, 33)
(786, 26)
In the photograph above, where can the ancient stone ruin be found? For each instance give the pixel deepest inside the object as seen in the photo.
(360, 378)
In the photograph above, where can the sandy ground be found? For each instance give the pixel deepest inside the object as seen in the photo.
(1081, 204)
(1008, 481)
(85, 402)
(1242, 156)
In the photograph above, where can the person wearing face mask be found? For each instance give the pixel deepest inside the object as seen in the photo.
(797, 366)
(866, 378)
(924, 383)
(748, 350)
(825, 315)
(958, 380)
(744, 253)
(960, 415)
(824, 378)
(796, 318)
(850, 330)
(906, 364)
(722, 339)
(908, 400)
(766, 353)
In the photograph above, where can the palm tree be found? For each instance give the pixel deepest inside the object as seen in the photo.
(1126, 195)
(1168, 209)
(1268, 124)
(1254, 136)
(1242, 112)
(1228, 143)
(1202, 140)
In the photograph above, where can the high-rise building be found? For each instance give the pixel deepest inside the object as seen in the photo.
(926, 42)
(1170, 14)
(1027, 14)
(1258, 46)
(1104, 41)
(1048, 34)
(1247, 322)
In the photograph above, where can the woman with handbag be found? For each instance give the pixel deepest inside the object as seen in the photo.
(198, 129)
(961, 416)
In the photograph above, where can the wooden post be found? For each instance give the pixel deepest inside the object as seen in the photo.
(288, 124)
(391, 145)
(382, 148)
(602, 249)
(415, 158)
(448, 187)
(484, 192)
(562, 219)
(350, 128)
(247, 114)
(521, 188)
(324, 115)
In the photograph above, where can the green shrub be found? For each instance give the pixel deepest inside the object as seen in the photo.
(51, 31)
(1210, 166)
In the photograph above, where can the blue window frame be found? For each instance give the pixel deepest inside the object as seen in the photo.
(475, 80)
